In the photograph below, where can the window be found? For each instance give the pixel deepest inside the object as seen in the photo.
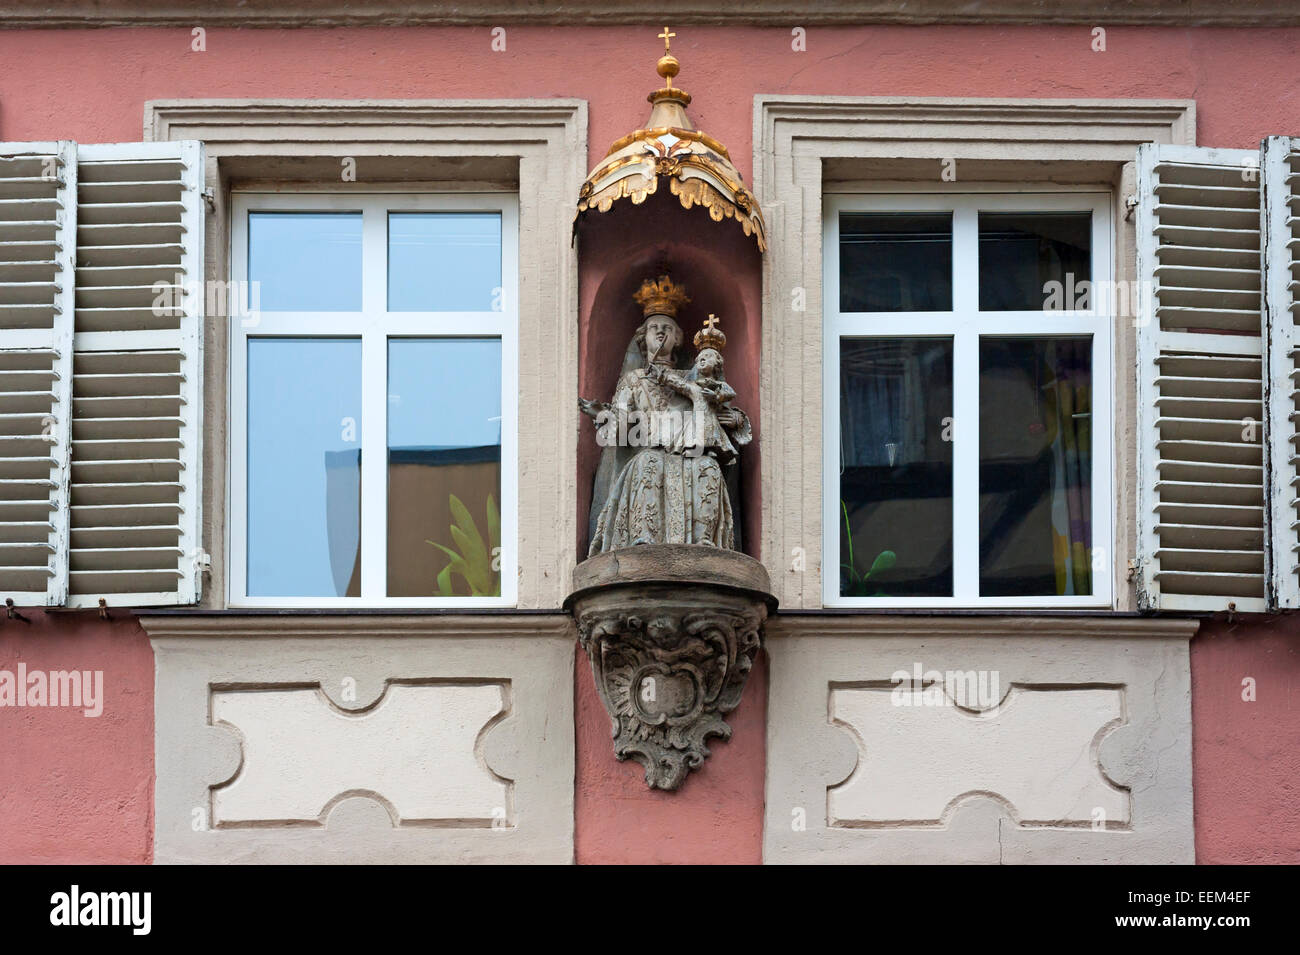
(373, 389)
(967, 358)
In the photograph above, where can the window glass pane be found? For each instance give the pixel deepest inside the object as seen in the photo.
(896, 478)
(305, 261)
(444, 467)
(1035, 466)
(304, 467)
(1032, 261)
(444, 261)
(895, 262)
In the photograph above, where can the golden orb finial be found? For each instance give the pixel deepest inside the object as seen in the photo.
(668, 67)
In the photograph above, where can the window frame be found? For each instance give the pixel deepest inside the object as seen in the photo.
(965, 324)
(374, 326)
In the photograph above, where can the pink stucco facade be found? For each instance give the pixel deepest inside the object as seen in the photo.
(79, 789)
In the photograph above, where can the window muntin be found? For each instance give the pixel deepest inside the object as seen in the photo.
(1044, 541)
(435, 407)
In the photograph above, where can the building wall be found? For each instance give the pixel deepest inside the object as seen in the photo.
(1232, 74)
(1246, 755)
(79, 789)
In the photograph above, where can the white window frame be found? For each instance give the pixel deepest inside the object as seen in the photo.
(965, 324)
(374, 326)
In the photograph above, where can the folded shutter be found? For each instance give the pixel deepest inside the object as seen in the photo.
(136, 422)
(1201, 541)
(38, 218)
(1279, 177)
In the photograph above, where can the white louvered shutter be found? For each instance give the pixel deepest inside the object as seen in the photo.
(136, 465)
(38, 216)
(1280, 217)
(1201, 540)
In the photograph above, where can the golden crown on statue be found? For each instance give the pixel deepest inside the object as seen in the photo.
(661, 296)
(710, 336)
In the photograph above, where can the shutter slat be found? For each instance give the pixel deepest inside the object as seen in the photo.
(1209, 238)
(87, 451)
(1198, 492)
(108, 537)
(109, 256)
(127, 319)
(1174, 560)
(135, 425)
(125, 558)
(136, 492)
(38, 220)
(1202, 516)
(117, 471)
(123, 515)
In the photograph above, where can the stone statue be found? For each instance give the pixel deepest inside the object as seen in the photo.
(667, 433)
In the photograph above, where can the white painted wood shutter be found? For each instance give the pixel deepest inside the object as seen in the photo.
(38, 221)
(136, 466)
(1201, 523)
(1280, 217)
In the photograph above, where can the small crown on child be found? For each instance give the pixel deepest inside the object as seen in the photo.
(710, 336)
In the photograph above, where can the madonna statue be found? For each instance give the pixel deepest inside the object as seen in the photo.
(667, 435)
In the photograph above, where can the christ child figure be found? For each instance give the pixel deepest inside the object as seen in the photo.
(715, 427)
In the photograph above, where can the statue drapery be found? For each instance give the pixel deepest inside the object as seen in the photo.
(667, 432)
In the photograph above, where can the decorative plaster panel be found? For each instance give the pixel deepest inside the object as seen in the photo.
(414, 751)
(903, 734)
(990, 739)
(363, 739)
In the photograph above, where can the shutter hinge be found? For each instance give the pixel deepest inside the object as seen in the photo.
(210, 198)
(202, 561)
(1132, 568)
(1130, 203)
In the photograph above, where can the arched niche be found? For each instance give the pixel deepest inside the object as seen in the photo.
(721, 268)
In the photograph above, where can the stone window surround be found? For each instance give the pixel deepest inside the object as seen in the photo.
(547, 139)
(1067, 140)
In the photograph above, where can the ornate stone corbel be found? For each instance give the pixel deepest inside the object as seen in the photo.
(671, 632)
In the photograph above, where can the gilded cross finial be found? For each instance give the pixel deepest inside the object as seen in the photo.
(668, 65)
(711, 321)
